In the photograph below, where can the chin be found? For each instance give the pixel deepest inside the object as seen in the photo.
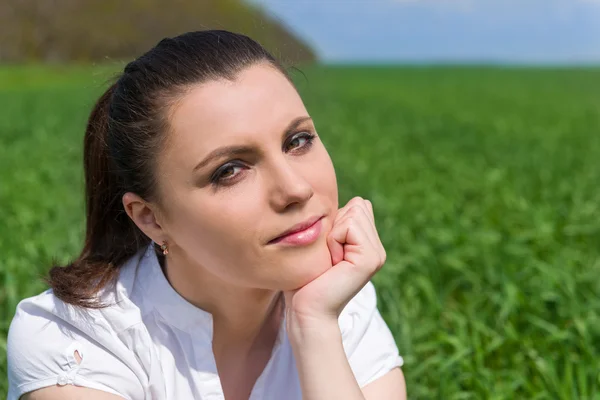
(304, 267)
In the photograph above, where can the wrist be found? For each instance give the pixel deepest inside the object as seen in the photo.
(308, 330)
(321, 360)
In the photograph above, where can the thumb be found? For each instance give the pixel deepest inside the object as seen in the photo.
(336, 249)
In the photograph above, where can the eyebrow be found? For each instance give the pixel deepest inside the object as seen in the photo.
(239, 150)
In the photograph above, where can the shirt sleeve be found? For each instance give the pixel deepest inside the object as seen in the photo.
(41, 352)
(368, 342)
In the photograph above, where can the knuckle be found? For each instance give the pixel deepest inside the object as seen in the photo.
(376, 267)
(351, 223)
(354, 211)
(343, 226)
(356, 200)
(381, 257)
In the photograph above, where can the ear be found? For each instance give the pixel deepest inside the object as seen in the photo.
(144, 215)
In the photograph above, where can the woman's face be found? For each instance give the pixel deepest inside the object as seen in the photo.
(243, 164)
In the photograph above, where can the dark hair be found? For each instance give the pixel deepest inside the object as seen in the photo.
(125, 131)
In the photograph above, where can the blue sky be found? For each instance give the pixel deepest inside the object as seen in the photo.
(496, 31)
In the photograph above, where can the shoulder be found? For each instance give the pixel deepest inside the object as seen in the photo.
(46, 316)
(52, 343)
(41, 320)
(38, 315)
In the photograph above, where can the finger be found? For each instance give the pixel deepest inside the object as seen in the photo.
(370, 208)
(362, 203)
(360, 216)
(336, 249)
(364, 220)
(367, 207)
(342, 211)
(354, 229)
(358, 249)
(371, 214)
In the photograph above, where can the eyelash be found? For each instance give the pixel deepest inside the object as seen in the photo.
(218, 180)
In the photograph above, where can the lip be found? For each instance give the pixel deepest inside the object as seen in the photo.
(303, 233)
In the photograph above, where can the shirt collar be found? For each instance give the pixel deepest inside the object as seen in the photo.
(170, 305)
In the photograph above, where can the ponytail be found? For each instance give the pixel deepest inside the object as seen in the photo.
(111, 237)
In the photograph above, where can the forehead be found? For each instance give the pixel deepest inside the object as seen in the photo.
(260, 101)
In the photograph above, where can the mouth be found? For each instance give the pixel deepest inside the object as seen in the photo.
(301, 234)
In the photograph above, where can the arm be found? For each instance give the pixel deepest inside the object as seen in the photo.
(389, 386)
(325, 373)
(69, 392)
(321, 362)
(313, 311)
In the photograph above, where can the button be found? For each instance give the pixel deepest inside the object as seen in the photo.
(62, 380)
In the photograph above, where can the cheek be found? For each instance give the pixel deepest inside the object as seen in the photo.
(325, 180)
(218, 234)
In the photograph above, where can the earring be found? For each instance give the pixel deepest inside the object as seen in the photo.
(165, 248)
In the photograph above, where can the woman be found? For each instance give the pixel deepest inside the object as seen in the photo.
(216, 262)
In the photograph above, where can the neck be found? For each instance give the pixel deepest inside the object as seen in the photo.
(242, 317)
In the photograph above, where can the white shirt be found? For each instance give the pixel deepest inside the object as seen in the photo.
(151, 343)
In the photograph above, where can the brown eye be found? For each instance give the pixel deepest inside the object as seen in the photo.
(299, 141)
(226, 173)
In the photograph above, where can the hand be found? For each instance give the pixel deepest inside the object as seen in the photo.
(356, 255)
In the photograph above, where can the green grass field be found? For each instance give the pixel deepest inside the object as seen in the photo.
(486, 188)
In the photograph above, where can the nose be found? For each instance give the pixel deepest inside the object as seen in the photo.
(289, 187)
